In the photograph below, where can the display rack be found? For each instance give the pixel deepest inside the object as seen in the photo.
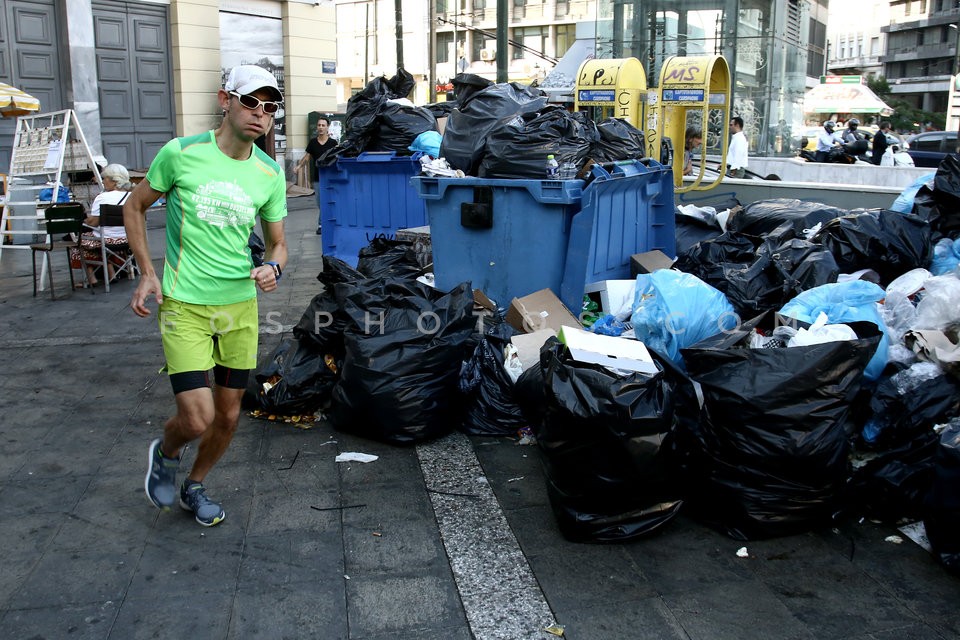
(45, 147)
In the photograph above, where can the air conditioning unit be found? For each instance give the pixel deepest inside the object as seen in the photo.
(488, 55)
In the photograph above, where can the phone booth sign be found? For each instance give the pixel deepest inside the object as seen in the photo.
(688, 85)
(616, 86)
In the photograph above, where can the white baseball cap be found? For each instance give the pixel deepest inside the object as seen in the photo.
(247, 78)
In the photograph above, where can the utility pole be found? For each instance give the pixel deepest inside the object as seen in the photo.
(502, 53)
(397, 8)
(432, 49)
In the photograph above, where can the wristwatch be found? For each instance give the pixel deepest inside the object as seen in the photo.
(277, 271)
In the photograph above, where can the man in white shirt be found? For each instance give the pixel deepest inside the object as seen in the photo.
(737, 151)
(826, 141)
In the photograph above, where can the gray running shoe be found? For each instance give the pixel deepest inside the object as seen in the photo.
(161, 481)
(193, 498)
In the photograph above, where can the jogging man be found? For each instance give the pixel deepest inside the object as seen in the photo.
(216, 184)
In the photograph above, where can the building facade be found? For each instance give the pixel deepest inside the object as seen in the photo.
(922, 55)
(139, 72)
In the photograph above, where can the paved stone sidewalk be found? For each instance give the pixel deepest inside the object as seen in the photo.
(316, 549)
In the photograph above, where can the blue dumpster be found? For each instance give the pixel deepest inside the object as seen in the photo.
(513, 237)
(367, 196)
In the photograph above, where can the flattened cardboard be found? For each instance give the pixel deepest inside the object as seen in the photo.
(609, 351)
(528, 346)
(649, 261)
(539, 310)
(616, 296)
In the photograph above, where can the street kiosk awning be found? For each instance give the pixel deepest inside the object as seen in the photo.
(14, 102)
(844, 98)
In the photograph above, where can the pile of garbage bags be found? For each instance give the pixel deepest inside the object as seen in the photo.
(503, 130)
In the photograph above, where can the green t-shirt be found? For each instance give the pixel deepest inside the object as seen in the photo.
(212, 205)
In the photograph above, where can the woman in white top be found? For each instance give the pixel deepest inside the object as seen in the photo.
(116, 187)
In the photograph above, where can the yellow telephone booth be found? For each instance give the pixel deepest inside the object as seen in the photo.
(615, 86)
(691, 84)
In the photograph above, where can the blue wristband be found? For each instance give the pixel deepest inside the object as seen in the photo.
(277, 271)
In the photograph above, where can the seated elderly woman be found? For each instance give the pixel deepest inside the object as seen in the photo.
(116, 188)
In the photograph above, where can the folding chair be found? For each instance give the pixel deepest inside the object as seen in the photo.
(60, 219)
(118, 255)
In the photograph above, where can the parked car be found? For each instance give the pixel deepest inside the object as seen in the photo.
(930, 147)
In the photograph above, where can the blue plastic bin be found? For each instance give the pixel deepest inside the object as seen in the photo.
(626, 210)
(367, 196)
(513, 237)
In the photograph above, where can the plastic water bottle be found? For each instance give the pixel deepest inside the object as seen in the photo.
(568, 171)
(553, 168)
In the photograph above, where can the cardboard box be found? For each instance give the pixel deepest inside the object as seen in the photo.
(609, 351)
(649, 261)
(528, 346)
(539, 310)
(616, 296)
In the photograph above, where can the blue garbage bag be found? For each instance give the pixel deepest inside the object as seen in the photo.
(428, 142)
(46, 195)
(904, 201)
(946, 256)
(843, 302)
(673, 310)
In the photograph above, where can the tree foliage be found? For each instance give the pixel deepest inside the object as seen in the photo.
(906, 117)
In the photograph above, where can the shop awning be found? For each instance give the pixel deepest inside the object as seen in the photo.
(844, 98)
(14, 102)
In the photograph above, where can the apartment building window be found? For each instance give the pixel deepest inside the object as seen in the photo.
(566, 34)
(443, 6)
(444, 47)
(532, 37)
(480, 43)
(874, 46)
(816, 48)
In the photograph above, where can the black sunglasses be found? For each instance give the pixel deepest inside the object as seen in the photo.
(249, 102)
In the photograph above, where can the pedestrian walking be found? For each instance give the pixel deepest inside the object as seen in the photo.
(216, 184)
(316, 149)
(737, 160)
(880, 143)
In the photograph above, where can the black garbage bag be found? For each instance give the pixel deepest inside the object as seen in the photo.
(297, 380)
(404, 344)
(467, 84)
(601, 443)
(481, 114)
(889, 242)
(490, 408)
(774, 434)
(519, 149)
(322, 321)
(618, 140)
(257, 249)
(690, 230)
(363, 112)
(893, 484)
(946, 194)
(763, 216)
(441, 109)
(399, 126)
(909, 402)
(384, 258)
(711, 258)
(779, 272)
(942, 510)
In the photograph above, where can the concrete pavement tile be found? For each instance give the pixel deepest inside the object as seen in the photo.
(835, 598)
(399, 464)
(687, 556)
(461, 632)
(168, 566)
(277, 510)
(289, 558)
(916, 631)
(737, 610)
(516, 616)
(87, 622)
(402, 605)
(64, 578)
(643, 619)
(16, 568)
(290, 611)
(392, 546)
(173, 615)
(906, 571)
(589, 575)
(60, 494)
(386, 502)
